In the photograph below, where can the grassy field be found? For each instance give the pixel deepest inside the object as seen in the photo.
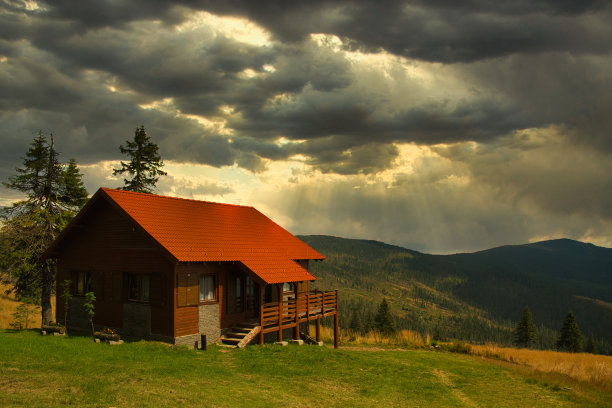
(57, 371)
(593, 369)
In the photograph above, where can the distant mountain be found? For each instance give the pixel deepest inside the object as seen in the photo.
(475, 296)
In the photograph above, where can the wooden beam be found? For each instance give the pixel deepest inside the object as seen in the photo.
(280, 312)
(318, 330)
(261, 302)
(308, 308)
(336, 329)
(296, 329)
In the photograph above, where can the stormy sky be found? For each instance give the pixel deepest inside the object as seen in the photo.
(437, 125)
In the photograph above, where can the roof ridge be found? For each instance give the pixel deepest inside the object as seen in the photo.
(107, 189)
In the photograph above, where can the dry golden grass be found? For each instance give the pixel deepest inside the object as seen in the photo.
(589, 368)
(403, 338)
(8, 305)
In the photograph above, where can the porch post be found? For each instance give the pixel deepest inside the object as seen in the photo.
(336, 329)
(308, 308)
(318, 329)
(296, 328)
(280, 312)
(261, 302)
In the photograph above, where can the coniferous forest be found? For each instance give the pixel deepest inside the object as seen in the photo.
(478, 297)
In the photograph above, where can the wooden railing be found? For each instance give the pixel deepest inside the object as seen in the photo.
(294, 310)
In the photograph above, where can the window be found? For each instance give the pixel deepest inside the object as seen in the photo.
(238, 294)
(250, 287)
(208, 290)
(82, 283)
(287, 287)
(138, 287)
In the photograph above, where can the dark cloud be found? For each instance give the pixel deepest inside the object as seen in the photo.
(442, 31)
(466, 198)
(529, 81)
(543, 173)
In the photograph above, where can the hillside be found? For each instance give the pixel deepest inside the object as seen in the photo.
(474, 296)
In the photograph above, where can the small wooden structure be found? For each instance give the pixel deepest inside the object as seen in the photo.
(180, 270)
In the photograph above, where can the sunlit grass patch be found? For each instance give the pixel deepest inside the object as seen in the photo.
(589, 368)
(403, 338)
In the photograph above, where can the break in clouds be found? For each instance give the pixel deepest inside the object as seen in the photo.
(438, 125)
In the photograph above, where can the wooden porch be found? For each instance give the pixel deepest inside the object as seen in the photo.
(301, 308)
(294, 309)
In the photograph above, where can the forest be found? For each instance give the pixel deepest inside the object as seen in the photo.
(476, 297)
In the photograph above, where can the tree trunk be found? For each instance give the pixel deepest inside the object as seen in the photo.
(47, 289)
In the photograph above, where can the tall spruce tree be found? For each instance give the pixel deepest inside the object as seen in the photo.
(570, 338)
(590, 346)
(384, 319)
(144, 167)
(73, 192)
(32, 224)
(526, 333)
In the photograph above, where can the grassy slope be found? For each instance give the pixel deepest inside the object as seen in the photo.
(53, 371)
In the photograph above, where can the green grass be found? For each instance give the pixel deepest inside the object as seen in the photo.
(54, 371)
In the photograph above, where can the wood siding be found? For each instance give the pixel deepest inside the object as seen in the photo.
(187, 294)
(106, 244)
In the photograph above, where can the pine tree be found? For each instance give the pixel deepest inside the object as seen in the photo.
(570, 338)
(74, 193)
(355, 325)
(144, 166)
(525, 333)
(32, 224)
(384, 320)
(591, 347)
(368, 322)
(29, 178)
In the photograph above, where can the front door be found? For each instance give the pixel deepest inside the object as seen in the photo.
(252, 295)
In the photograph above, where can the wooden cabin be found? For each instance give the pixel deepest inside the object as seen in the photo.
(180, 271)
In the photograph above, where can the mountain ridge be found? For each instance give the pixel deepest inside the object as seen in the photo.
(485, 290)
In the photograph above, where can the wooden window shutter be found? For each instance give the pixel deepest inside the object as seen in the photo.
(193, 295)
(188, 291)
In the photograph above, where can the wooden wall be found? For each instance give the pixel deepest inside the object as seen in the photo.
(187, 293)
(107, 244)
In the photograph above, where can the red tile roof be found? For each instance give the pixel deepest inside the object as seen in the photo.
(200, 231)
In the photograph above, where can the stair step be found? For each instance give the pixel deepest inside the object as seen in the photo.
(245, 327)
(241, 329)
(239, 335)
(235, 336)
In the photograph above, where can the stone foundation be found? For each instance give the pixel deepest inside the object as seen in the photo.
(191, 341)
(208, 322)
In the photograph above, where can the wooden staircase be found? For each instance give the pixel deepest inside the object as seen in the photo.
(239, 335)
